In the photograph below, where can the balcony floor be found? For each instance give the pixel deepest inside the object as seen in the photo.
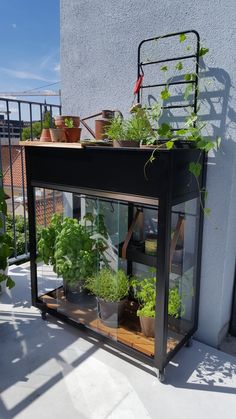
(49, 369)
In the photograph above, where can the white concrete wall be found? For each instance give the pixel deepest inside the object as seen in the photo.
(99, 42)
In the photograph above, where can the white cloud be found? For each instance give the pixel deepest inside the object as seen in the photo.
(13, 25)
(57, 67)
(24, 75)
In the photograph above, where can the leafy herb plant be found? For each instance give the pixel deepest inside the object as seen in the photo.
(74, 249)
(109, 285)
(145, 292)
(69, 123)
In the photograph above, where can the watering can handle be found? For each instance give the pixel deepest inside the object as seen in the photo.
(116, 111)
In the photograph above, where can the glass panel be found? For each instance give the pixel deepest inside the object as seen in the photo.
(91, 258)
(182, 285)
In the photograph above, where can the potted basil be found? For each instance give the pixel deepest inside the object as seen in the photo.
(74, 249)
(145, 292)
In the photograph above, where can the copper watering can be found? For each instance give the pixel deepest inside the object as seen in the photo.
(101, 124)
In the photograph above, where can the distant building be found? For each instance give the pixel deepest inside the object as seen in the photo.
(11, 127)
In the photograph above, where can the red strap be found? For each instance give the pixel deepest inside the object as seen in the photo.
(138, 84)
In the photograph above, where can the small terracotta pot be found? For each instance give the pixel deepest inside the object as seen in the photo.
(126, 143)
(45, 135)
(72, 134)
(58, 135)
(60, 121)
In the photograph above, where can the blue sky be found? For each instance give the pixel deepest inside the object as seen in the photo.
(30, 45)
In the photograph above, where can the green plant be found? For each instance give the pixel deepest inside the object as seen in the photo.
(137, 128)
(37, 127)
(195, 131)
(69, 123)
(116, 129)
(109, 285)
(36, 131)
(145, 292)
(47, 241)
(5, 242)
(47, 120)
(74, 249)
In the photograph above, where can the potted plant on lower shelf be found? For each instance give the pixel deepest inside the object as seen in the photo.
(74, 249)
(5, 246)
(145, 292)
(111, 289)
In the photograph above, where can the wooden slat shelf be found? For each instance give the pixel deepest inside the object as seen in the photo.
(49, 144)
(128, 332)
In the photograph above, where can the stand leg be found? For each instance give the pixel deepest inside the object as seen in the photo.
(161, 375)
(189, 343)
(44, 314)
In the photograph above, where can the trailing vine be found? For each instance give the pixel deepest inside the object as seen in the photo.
(192, 131)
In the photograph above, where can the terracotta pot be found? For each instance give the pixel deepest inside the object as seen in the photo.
(60, 121)
(72, 134)
(111, 313)
(45, 135)
(57, 135)
(147, 326)
(126, 143)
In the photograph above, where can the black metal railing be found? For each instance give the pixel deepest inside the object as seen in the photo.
(15, 116)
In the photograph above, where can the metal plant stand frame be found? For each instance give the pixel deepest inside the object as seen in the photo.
(81, 170)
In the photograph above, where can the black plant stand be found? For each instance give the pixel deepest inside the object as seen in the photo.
(118, 175)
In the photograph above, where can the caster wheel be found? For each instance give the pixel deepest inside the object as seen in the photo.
(189, 343)
(161, 376)
(44, 315)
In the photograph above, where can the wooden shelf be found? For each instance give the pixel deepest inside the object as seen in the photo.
(128, 332)
(49, 144)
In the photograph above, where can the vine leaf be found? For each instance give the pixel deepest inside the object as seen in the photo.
(163, 130)
(203, 51)
(170, 144)
(10, 283)
(195, 169)
(179, 66)
(182, 37)
(207, 211)
(187, 92)
(165, 94)
(189, 77)
(164, 68)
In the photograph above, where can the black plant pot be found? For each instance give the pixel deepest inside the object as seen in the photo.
(79, 295)
(111, 313)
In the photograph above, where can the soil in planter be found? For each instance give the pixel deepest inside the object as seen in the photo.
(111, 313)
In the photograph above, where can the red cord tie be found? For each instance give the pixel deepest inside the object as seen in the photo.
(138, 84)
